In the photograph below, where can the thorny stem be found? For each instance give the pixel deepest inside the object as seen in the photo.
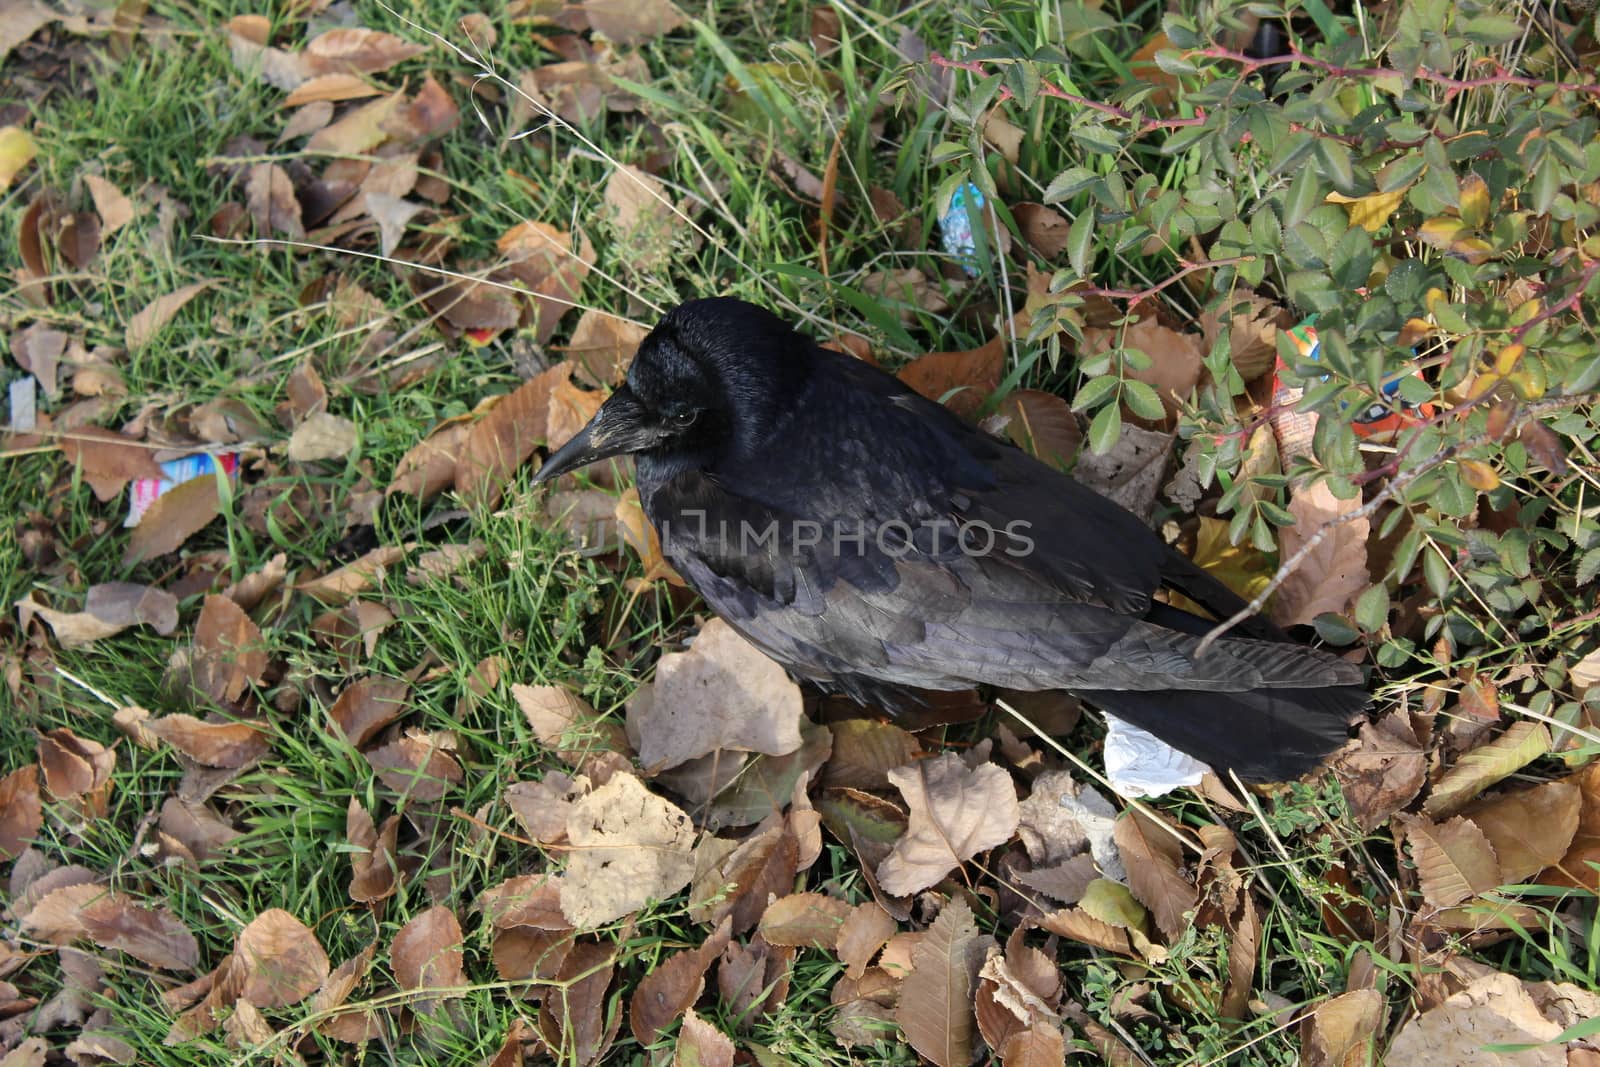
(1501, 76)
(1046, 89)
(1388, 492)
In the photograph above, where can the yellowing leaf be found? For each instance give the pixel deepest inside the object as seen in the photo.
(16, 151)
(1478, 474)
(1474, 202)
(1371, 212)
(1476, 771)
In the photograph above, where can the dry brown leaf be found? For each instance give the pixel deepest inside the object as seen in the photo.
(322, 436)
(214, 744)
(229, 654)
(368, 705)
(935, 1012)
(1176, 361)
(671, 988)
(132, 604)
(358, 131)
(1044, 228)
(505, 437)
(1335, 573)
(76, 767)
(144, 325)
(1383, 772)
(570, 410)
(1493, 1009)
(701, 1045)
(1529, 829)
(1521, 744)
(864, 931)
(329, 87)
(566, 723)
(109, 460)
(269, 197)
(355, 49)
(279, 959)
(736, 879)
(865, 751)
(1065, 881)
(1242, 948)
(1343, 1032)
(72, 629)
(629, 847)
(962, 380)
(642, 217)
(906, 291)
(355, 577)
(150, 935)
(1154, 858)
(574, 1018)
(723, 693)
(427, 953)
(956, 813)
(374, 874)
(602, 346)
(1454, 859)
(542, 807)
(541, 258)
(429, 114)
(1251, 324)
(199, 829)
(625, 22)
(1573, 868)
(804, 920)
(1043, 425)
(429, 467)
(177, 515)
(115, 209)
(416, 767)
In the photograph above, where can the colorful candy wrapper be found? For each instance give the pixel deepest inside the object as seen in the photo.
(1381, 421)
(963, 213)
(145, 491)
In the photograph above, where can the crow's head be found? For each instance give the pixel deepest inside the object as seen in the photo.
(710, 381)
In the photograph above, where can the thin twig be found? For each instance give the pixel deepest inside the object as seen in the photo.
(1388, 492)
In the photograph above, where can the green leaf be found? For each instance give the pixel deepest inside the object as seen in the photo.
(1338, 165)
(1372, 608)
(1095, 391)
(1143, 400)
(1303, 197)
(1105, 430)
(1069, 183)
(1080, 241)
(1437, 572)
(1492, 30)
(1335, 629)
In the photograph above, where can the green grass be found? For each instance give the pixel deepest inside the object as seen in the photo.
(164, 118)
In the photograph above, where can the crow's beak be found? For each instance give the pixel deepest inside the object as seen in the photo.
(621, 426)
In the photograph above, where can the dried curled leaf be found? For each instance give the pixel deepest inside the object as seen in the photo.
(956, 813)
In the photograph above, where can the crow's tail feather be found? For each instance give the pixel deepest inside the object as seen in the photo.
(1264, 735)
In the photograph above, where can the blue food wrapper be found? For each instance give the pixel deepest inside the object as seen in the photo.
(956, 224)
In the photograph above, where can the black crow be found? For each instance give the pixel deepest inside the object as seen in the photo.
(871, 541)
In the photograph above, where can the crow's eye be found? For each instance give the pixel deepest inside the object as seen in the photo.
(682, 420)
